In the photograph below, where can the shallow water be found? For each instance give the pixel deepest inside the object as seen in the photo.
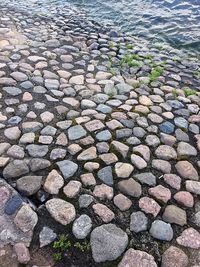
(176, 22)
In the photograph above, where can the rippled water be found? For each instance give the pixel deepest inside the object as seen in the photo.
(174, 21)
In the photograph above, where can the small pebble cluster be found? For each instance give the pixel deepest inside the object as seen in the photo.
(106, 147)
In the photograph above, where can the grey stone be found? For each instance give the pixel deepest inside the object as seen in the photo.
(67, 167)
(105, 175)
(76, 132)
(138, 222)
(82, 226)
(46, 236)
(108, 242)
(161, 230)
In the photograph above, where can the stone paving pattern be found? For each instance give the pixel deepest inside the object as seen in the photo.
(97, 143)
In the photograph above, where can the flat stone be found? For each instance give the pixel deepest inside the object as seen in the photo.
(37, 164)
(72, 189)
(29, 185)
(12, 133)
(138, 222)
(61, 210)
(166, 152)
(13, 204)
(15, 169)
(146, 178)
(88, 179)
(88, 154)
(173, 214)
(193, 187)
(26, 219)
(104, 135)
(186, 170)
(184, 198)
(137, 258)
(103, 212)
(143, 151)
(123, 170)
(161, 165)
(167, 127)
(161, 193)
(173, 180)
(105, 175)
(53, 183)
(67, 168)
(161, 230)
(46, 236)
(82, 226)
(108, 242)
(189, 238)
(16, 152)
(121, 148)
(85, 200)
(37, 151)
(22, 252)
(185, 149)
(122, 202)
(138, 162)
(149, 206)
(174, 256)
(76, 132)
(130, 187)
(94, 125)
(103, 192)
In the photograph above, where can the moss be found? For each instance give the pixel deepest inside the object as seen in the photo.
(129, 46)
(155, 73)
(189, 92)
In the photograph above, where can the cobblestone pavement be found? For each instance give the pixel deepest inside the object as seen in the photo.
(99, 144)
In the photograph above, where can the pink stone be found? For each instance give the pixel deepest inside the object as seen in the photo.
(149, 205)
(22, 252)
(122, 202)
(173, 180)
(103, 212)
(161, 193)
(62, 140)
(137, 258)
(189, 238)
(174, 256)
(47, 116)
(103, 192)
(72, 189)
(194, 118)
(88, 179)
(27, 97)
(4, 195)
(184, 198)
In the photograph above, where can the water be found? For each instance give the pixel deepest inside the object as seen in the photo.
(176, 22)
